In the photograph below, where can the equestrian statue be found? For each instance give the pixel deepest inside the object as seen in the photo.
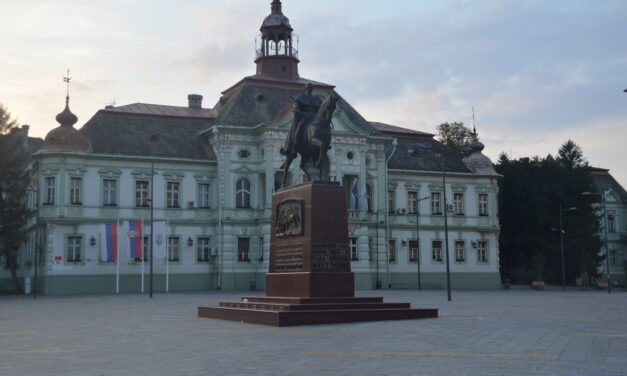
(310, 132)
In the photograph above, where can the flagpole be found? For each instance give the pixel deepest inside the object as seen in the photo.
(117, 258)
(152, 221)
(143, 257)
(167, 257)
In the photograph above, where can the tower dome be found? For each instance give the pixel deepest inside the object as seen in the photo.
(65, 138)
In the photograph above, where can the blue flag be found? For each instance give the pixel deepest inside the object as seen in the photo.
(355, 194)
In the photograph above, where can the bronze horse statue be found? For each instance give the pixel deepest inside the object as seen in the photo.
(312, 142)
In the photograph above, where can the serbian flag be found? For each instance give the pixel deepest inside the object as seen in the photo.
(134, 234)
(109, 249)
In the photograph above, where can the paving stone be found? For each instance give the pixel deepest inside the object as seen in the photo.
(507, 332)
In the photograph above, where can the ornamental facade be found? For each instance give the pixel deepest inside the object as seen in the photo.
(208, 174)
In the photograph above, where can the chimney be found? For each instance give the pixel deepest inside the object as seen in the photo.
(194, 100)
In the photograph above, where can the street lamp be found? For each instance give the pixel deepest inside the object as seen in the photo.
(414, 153)
(418, 239)
(607, 248)
(561, 231)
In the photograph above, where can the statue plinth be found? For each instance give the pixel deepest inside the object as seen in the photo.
(309, 249)
(309, 279)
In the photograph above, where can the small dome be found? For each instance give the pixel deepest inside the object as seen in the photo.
(66, 118)
(479, 163)
(276, 18)
(65, 137)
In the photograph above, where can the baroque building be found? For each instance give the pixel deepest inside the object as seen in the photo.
(209, 173)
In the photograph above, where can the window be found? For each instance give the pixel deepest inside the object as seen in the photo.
(243, 249)
(458, 203)
(613, 257)
(172, 194)
(242, 193)
(141, 194)
(412, 202)
(436, 250)
(203, 196)
(353, 245)
(435, 203)
(392, 255)
(483, 204)
(413, 251)
(173, 249)
(459, 251)
(261, 248)
(391, 202)
(369, 197)
(146, 247)
(482, 251)
(50, 186)
(109, 194)
(75, 191)
(74, 248)
(611, 223)
(203, 250)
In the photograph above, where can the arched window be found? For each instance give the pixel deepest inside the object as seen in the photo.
(242, 193)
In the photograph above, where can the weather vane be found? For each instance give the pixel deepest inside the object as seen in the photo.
(67, 80)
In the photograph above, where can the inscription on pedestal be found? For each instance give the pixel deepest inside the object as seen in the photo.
(330, 257)
(288, 257)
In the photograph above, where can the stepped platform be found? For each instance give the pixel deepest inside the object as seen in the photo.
(287, 311)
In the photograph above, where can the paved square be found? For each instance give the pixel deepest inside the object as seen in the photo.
(507, 332)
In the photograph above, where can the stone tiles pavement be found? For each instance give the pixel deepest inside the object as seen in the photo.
(505, 332)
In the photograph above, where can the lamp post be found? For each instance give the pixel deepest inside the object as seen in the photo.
(152, 221)
(418, 239)
(561, 231)
(607, 248)
(414, 153)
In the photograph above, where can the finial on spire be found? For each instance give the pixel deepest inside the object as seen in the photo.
(276, 6)
(474, 129)
(67, 80)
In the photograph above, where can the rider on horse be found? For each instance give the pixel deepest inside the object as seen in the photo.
(305, 108)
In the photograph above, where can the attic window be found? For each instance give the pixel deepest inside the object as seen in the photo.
(243, 153)
(260, 98)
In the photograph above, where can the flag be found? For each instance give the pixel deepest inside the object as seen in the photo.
(134, 235)
(364, 197)
(109, 249)
(355, 196)
(159, 243)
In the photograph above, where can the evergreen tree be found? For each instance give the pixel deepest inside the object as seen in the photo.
(13, 186)
(531, 192)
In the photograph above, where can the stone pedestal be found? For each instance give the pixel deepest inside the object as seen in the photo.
(309, 279)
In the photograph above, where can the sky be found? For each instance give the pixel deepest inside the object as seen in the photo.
(537, 72)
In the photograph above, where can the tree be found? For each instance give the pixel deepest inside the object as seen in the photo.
(13, 187)
(455, 135)
(531, 192)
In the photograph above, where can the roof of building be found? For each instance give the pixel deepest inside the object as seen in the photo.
(162, 110)
(603, 181)
(423, 154)
(393, 130)
(257, 100)
(126, 133)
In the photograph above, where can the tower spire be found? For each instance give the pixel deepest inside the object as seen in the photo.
(276, 54)
(67, 118)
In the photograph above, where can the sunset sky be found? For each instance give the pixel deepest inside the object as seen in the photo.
(537, 72)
